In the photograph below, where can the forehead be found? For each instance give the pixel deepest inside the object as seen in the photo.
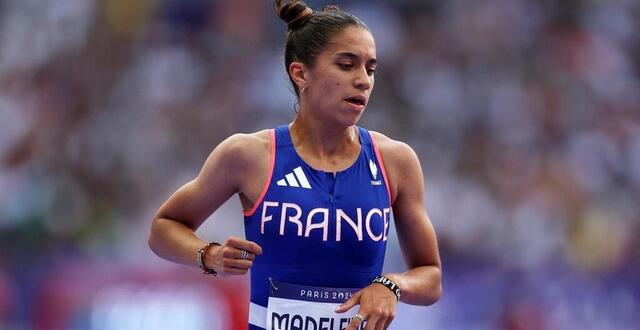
(353, 39)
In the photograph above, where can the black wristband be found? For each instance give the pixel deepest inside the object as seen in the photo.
(200, 256)
(391, 285)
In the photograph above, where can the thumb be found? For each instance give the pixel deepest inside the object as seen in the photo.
(347, 305)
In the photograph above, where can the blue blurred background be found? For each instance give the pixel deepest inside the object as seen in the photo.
(525, 115)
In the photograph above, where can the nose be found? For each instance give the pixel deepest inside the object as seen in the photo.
(363, 81)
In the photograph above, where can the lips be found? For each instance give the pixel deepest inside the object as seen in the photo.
(358, 100)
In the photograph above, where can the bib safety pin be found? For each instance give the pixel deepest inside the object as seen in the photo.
(272, 284)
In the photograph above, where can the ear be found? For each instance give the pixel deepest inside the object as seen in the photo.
(298, 73)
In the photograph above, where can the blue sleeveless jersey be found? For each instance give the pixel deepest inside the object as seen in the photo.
(318, 228)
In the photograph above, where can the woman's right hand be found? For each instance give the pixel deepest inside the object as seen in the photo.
(226, 259)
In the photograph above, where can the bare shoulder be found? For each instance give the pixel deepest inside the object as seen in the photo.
(229, 168)
(394, 152)
(247, 142)
(243, 149)
(242, 161)
(400, 161)
(246, 154)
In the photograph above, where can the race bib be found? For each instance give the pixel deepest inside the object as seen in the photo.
(301, 307)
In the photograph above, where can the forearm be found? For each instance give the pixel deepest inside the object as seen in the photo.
(174, 241)
(420, 285)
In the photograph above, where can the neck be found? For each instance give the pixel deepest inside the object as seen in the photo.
(321, 138)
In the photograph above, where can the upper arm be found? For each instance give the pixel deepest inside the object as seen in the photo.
(217, 181)
(415, 232)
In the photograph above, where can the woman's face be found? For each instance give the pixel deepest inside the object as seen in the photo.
(341, 81)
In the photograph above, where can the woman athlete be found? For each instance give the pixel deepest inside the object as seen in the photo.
(317, 195)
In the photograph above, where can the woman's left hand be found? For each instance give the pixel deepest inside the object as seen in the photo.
(377, 307)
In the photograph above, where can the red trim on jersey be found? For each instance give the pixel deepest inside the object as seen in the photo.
(272, 163)
(384, 172)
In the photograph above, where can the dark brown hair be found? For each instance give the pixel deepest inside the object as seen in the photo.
(309, 31)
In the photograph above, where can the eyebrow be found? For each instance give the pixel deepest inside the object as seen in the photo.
(372, 61)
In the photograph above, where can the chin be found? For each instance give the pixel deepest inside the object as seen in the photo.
(350, 120)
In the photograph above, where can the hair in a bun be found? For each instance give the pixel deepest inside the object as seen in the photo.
(295, 13)
(309, 31)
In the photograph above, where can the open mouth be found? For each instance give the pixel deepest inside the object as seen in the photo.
(355, 100)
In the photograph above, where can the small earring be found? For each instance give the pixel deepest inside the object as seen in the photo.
(303, 89)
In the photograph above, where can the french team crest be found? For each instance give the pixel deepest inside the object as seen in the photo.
(374, 173)
(374, 169)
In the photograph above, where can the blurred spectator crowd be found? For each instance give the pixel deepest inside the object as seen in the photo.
(525, 115)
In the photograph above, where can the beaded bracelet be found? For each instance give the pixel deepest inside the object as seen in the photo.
(201, 252)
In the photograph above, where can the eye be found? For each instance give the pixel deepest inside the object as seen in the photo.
(371, 71)
(345, 66)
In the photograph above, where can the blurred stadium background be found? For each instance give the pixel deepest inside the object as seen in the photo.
(525, 114)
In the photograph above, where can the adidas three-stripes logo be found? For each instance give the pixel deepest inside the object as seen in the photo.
(295, 179)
